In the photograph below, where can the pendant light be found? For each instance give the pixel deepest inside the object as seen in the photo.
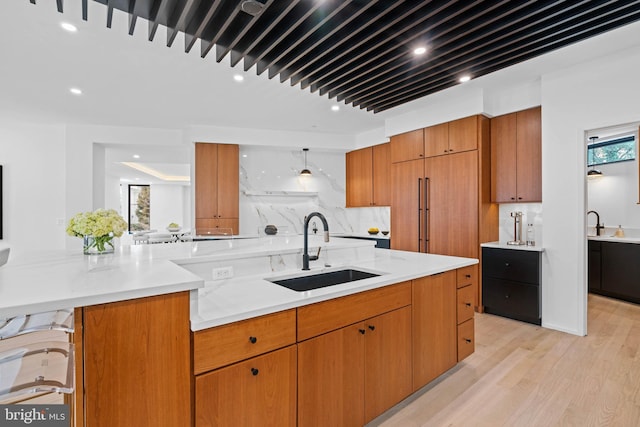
(593, 172)
(305, 171)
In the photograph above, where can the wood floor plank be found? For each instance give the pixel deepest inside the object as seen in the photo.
(525, 375)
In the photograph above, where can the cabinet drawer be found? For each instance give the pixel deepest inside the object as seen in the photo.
(466, 339)
(322, 317)
(222, 345)
(516, 300)
(511, 264)
(466, 303)
(467, 276)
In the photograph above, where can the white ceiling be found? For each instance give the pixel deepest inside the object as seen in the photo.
(129, 81)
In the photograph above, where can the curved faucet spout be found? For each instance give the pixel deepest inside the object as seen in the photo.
(305, 255)
(598, 226)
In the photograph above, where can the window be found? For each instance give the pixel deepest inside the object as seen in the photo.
(611, 151)
(139, 207)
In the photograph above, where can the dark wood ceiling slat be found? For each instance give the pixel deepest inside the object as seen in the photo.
(283, 33)
(109, 14)
(85, 10)
(179, 18)
(373, 74)
(223, 50)
(517, 54)
(153, 16)
(206, 47)
(60, 5)
(132, 16)
(334, 54)
(203, 23)
(398, 32)
(547, 21)
(514, 16)
(280, 14)
(314, 26)
(283, 68)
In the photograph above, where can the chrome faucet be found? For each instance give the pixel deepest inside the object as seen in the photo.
(305, 255)
(598, 226)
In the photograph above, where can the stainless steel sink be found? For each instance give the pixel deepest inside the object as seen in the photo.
(321, 280)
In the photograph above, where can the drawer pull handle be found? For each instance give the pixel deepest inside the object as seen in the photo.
(468, 304)
(506, 264)
(468, 340)
(468, 276)
(254, 371)
(253, 340)
(362, 331)
(507, 296)
(371, 327)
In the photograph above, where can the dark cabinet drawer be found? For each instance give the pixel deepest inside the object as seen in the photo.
(620, 270)
(515, 300)
(511, 264)
(594, 269)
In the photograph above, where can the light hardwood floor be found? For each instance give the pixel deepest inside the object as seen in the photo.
(524, 375)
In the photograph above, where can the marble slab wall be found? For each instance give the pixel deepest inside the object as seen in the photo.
(273, 192)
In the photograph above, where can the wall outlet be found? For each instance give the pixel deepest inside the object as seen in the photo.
(223, 273)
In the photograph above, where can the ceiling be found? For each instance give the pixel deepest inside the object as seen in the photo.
(361, 52)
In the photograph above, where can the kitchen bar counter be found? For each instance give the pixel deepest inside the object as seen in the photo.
(503, 245)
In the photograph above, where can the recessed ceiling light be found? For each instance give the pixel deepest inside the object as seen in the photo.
(464, 79)
(69, 27)
(238, 78)
(136, 156)
(335, 108)
(75, 91)
(244, 155)
(419, 50)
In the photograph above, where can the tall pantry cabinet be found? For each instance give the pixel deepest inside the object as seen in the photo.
(441, 198)
(217, 187)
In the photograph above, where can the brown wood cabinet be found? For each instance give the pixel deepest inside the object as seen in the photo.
(216, 187)
(407, 146)
(349, 376)
(137, 363)
(516, 157)
(407, 207)
(260, 391)
(368, 176)
(434, 327)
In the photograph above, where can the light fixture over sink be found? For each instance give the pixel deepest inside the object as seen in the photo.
(305, 171)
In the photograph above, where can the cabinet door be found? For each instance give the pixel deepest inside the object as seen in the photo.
(407, 146)
(407, 223)
(436, 140)
(503, 158)
(331, 378)
(620, 269)
(595, 263)
(257, 392)
(387, 378)
(228, 181)
(359, 171)
(137, 362)
(434, 327)
(382, 174)
(452, 204)
(529, 155)
(206, 185)
(205, 227)
(463, 134)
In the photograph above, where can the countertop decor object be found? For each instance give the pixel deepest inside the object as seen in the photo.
(174, 227)
(98, 229)
(270, 230)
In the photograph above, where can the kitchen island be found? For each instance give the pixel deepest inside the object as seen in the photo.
(196, 300)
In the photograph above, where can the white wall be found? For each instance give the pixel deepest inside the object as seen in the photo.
(33, 159)
(167, 206)
(615, 195)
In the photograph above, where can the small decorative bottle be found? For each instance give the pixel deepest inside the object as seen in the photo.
(531, 235)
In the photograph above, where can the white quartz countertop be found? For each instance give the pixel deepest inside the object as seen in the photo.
(503, 245)
(610, 238)
(226, 301)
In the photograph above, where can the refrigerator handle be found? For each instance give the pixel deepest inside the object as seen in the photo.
(419, 212)
(426, 214)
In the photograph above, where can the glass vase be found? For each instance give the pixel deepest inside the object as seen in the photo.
(98, 245)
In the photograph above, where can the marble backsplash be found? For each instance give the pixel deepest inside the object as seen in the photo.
(273, 192)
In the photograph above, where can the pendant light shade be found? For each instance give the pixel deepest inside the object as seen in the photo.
(593, 172)
(305, 171)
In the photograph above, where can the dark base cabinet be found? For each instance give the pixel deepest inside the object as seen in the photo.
(511, 283)
(614, 270)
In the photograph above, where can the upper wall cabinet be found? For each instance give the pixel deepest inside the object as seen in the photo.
(446, 138)
(516, 157)
(407, 146)
(217, 187)
(369, 176)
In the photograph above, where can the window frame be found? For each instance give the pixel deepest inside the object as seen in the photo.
(613, 141)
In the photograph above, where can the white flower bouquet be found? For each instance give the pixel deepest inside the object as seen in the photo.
(98, 228)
